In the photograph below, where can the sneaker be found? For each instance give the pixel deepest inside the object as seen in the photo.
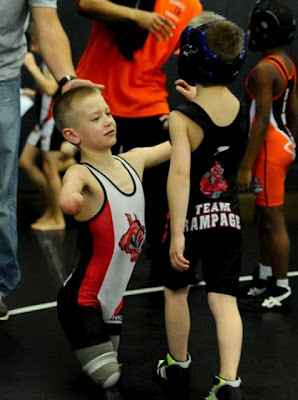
(222, 390)
(274, 298)
(3, 311)
(254, 288)
(171, 377)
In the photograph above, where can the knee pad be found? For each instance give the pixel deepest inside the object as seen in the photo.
(100, 363)
(115, 339)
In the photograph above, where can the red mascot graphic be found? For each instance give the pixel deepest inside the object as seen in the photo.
(132, 241)
(213, 183)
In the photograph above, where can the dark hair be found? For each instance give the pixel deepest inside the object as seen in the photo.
(271, 24)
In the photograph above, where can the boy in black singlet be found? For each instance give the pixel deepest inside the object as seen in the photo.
(208, 136)
(104, 194)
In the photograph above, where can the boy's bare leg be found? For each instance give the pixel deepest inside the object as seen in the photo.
(177, 320)
(229, 333)
(53, 218)
(27, 163)
(275, 242)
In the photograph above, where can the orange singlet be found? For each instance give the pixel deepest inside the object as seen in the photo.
(278, 150)
(135, 89)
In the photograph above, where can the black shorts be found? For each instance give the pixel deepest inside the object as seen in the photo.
(84, 326)
(220, 254)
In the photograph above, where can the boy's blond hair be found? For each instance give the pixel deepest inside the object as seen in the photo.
(223, 38)
(65, 108)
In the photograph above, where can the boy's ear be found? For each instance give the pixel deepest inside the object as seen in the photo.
(71, 135)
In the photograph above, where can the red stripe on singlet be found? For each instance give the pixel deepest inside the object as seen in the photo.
(102, 233)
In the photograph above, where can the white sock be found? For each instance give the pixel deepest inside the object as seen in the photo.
(265, 271)
(182, 364)
(235, 383)
(284, 283)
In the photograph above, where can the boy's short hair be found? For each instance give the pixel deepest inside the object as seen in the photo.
(65, 110)
(271, 24)
(212, 50)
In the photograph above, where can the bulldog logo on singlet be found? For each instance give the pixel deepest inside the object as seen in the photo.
(132, 241)
(213, 184)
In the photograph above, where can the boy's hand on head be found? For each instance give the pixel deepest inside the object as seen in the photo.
(244, 179)
(189, 92)
(81, 82)
(160, 26)
(177, 259)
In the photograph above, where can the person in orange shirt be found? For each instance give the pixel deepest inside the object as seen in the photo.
(271, 87)
(126, 50)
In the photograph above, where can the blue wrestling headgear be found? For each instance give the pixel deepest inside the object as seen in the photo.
(271, 24)
(198, 64)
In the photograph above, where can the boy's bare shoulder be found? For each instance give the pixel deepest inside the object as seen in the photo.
(134, 156)
(76, 171)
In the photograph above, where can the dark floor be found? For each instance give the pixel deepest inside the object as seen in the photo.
(37, 363)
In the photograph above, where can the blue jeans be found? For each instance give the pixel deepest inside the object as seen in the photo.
(9, 151)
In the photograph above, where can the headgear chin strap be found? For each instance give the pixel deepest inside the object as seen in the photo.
(198, 64)
(267, 30)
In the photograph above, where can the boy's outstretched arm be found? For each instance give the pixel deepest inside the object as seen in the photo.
(156, 155)
(71, 198)
(147, 157)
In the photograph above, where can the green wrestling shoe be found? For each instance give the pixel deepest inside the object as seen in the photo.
(172, 378)
(225, 390)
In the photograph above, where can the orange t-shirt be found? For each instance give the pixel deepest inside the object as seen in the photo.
(135, 89)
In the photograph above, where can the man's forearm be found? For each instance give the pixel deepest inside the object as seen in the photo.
(53, 42)
(104, 10)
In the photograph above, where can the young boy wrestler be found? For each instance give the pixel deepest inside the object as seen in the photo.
(271, 87)
(104, 194)
(208, 137)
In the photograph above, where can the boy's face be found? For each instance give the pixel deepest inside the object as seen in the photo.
(97, 127)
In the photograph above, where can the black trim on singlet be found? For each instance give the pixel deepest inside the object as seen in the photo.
(272, 58)
(124, 161)
(119, 190)
(105, 197)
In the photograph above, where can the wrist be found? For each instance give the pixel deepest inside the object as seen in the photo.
(66, 79)
(133, 14)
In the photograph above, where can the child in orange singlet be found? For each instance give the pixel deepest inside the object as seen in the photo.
(271, 87)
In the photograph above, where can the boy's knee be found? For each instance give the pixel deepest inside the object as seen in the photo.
(100, 363)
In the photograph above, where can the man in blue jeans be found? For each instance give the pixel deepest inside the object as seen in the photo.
(52, 41)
